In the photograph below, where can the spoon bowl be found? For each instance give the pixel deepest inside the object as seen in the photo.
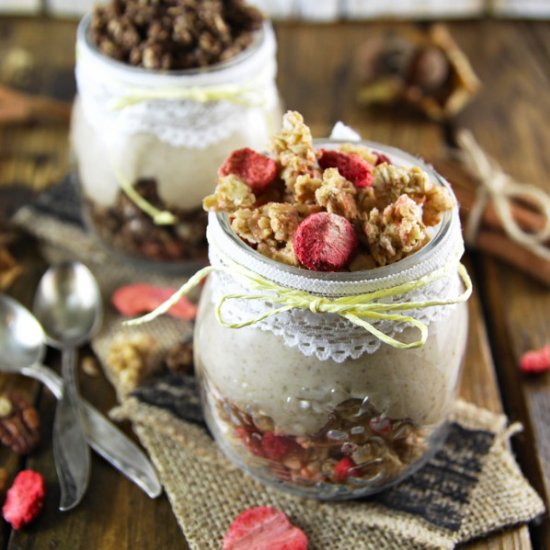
(22, 339)
(68, 304)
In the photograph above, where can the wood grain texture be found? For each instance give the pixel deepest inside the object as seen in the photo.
(316, 77)
(511, 121)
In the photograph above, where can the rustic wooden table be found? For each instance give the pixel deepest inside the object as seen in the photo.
(510, 313)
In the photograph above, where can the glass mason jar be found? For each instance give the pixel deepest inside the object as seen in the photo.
(310, 401)
(148, 143)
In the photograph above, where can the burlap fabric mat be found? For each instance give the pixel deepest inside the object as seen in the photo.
(471, 487)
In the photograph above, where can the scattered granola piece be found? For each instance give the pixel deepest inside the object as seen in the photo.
(257, 171)
(230, 194)
(130, 359)
(179, 358)
(131, 300)
(293, 149)
(325, 242)
(395, 232)
(20, 426)
(89, 366)
(264, 528)
(350, 166)
(24, 499)
(337, 195)
(536, 361)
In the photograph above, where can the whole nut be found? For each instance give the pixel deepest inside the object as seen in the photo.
(429, 69)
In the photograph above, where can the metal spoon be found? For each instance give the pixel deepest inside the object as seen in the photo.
(23, 346)
(68, 304)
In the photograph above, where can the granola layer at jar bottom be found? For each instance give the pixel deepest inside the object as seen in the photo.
(128, 229)
(359, 447)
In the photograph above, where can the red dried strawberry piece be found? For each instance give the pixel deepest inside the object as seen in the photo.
(536, 361)
(342, 469)
(325, 242)
(263, 528)
(380, 425)
(349, 165)
(276, 447)
(381, 159)
(254, 169)
(24, 499)
(131, 300)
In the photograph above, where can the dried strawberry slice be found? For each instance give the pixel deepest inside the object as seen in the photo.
(380, 425)
(342, 469)
(24, 499)
(276, 447)
(325, 242)
(254, 169)
(131, 300)
(350, 166)
(381, 159)
(536, 361)
(264, 528)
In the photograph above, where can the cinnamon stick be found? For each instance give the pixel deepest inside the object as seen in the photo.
(491, 237)
(499, 245)
(17, 107)
(465, 188)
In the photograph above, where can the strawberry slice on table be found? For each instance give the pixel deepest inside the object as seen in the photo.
(256, 170)
(350, 166)
(25, 498)
(325, 242)
(264, 528)
(139, 298)
(536, 361)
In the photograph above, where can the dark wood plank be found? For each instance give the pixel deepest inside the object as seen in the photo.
(316, 77)
(511, 121)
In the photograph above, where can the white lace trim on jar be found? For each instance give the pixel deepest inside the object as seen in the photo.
(108, 90)
(328, 335)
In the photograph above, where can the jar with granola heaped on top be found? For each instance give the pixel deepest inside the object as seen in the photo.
(148, 142)
(306, 398)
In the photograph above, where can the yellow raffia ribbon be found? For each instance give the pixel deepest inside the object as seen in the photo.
(248, 94)
(159, 217)
(358, 309)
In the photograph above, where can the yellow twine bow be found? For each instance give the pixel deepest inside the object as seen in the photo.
(500, 188)
(249, 94)
(356, 309)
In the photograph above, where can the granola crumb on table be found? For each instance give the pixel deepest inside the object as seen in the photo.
(390, 207)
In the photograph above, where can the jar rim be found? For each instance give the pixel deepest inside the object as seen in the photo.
(400, 268)
(83, 37)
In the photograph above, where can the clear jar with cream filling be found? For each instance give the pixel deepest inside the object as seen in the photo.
(313, 403)
(148, 143)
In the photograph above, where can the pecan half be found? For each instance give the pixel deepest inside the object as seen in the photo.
(20, 425)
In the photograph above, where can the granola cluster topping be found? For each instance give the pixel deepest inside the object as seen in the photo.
(342, 209)
(173, 34)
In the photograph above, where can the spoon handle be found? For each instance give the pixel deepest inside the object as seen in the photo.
(105, 438)
(71, 452)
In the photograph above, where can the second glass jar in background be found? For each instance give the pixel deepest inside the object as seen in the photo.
(313, 403)
(148, 144)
